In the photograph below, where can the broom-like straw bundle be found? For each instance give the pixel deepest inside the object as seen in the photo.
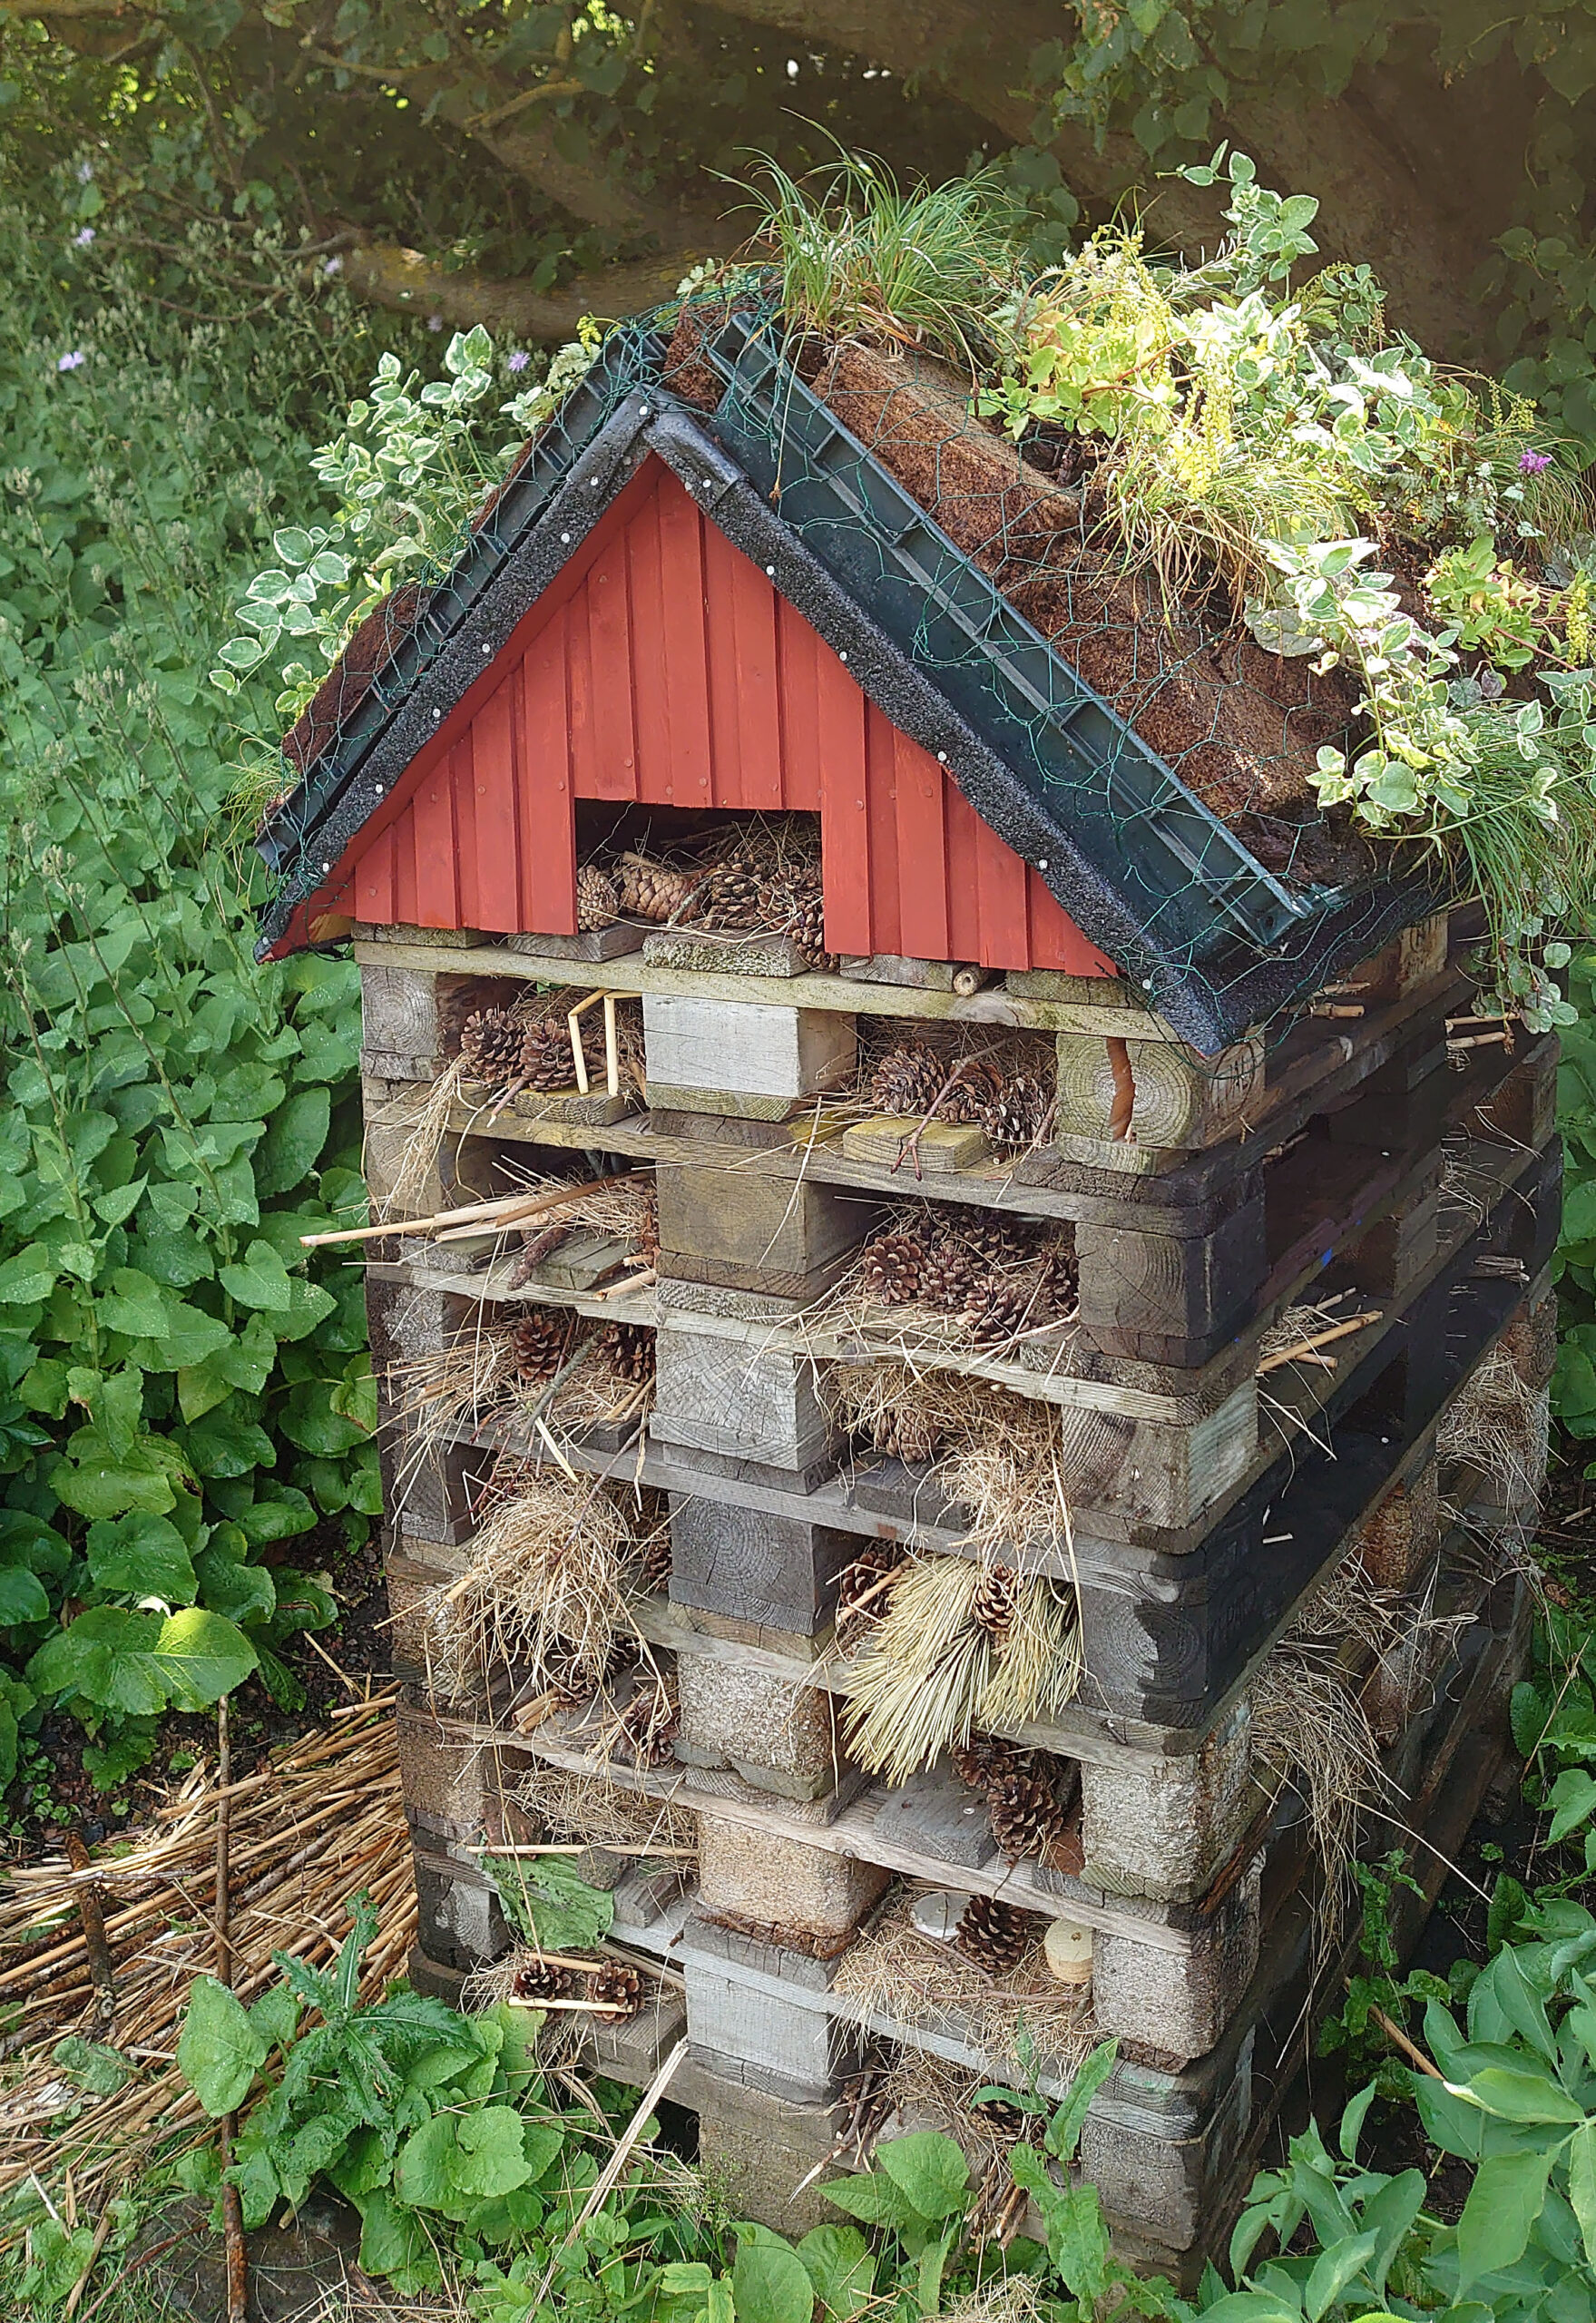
(1498, 1426)
(964, 1646)
(1000, 1455)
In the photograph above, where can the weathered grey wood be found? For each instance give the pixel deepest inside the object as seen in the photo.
(751, 1048)
(728, 1215)
(767, 2038)
(597, 1110)
(1164, 1827)
(940, 1816)
(715, 1395)
(1065, 1014)
(776, 1571)
(427, 939)
(890, 967)
(592, 943)
(938, 1147)
(1181, 1100)
(418, 1013)
(743, 1107)
(1173, 1298)
(1169, 2184)
(1116, 992)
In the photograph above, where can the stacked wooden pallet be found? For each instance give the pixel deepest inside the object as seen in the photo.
(1295, 1272)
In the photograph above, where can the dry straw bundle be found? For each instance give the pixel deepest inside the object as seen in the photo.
(1001, 1456)
(590, 1809)
(962, 1646)
(323, 1819)
(1497, 1427)
(911, 1982)
(546, 1593)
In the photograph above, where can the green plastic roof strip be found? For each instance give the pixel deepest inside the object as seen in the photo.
(1132, 816)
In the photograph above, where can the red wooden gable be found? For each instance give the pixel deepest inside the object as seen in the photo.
(663, 666)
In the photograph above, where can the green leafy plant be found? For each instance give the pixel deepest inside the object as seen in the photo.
(178, 1398)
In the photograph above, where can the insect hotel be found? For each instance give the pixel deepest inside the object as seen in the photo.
(962, 1304)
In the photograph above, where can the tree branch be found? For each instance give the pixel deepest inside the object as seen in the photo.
(411, 284)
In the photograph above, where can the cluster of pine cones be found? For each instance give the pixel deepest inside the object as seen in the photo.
(509, 1050)
(913, 1082)
(1028, 1817)
(737, 895)
(999, 1276)
(995, 1936)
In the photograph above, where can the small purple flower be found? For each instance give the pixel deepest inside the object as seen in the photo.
(71, 362)
(1531, 463)
(83, 237)
(434, 322)
(334, 265)
(518, 362)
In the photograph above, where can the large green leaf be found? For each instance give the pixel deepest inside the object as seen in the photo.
(201, 1657)
(295, 1135)
(259, 1280)
(141, 1556)
(770, 2283)
(929, 2171)
(842, 2270)
(219, 2051)
(1505, 2199)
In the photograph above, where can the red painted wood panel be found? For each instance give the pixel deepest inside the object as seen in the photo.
(663, 666)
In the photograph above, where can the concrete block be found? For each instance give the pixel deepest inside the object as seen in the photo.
(1180, 2002)
(806, 1898)
(1163, 1826)
(757, 2151)
(778, 1736)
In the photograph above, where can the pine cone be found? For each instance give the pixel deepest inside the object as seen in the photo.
(975, 1090)
(491, 1043)
(650, 1562)
(855, 1582)
(1027, 1817)
(948, 1275)
(597, 903)
(889, 1267)
(805, 923)
(535, 1981)
(997, 1601)
(906, 1435)
(629, 1351)
(646, 890)
(906, 1081)
(546, 1061)
(1058, 1278)
(999, 1309)
(989, 1236)
(995, 1936)
(1019, 1115)
(649, 1726)
(540, 1341)
(733, 897)
(619, 1987)
(987, 1758)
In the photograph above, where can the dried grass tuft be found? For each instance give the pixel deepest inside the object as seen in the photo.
(911, 1981)
(545, 1592)
(1001, 1456)
(1498, 1426)
(429, 1125)
(934, 1672)
(597, 1812)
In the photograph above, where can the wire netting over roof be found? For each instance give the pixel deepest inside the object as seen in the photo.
(1141, 749)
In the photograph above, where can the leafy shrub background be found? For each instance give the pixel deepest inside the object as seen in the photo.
(180, 1400)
